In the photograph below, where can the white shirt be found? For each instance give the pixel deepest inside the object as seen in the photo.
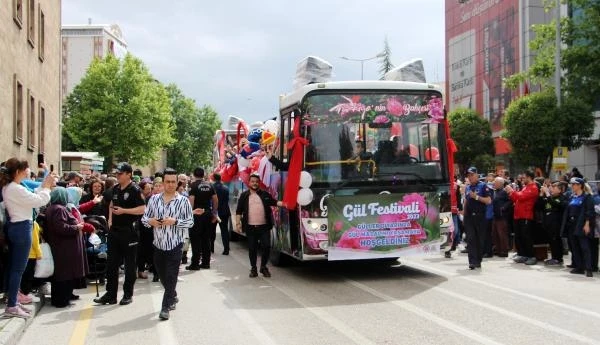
(168, 237)
(20, 202)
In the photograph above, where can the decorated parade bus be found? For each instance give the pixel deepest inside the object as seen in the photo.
(363, 164)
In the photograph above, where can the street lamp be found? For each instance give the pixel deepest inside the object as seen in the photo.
(362, 62)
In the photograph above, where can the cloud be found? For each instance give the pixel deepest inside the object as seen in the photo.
(239, 56)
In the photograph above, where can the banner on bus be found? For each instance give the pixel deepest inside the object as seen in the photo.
(383, 225)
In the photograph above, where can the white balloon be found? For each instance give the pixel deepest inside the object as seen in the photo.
(305, 196)
(243, 162)
(271, 126)
(305, 179)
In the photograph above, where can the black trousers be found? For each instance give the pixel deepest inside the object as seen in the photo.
(258, 235)
(213, 236)
(121, 249)
(487, 238)
(60, 293)
(524, 237)
(200, 239)
(594, 242)
(581, 251)
(552, 223)
(224, 227)
(475, 227)
(167, 267)
(145, 250)
(27, 280)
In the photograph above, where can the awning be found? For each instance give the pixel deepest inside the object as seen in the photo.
(502, 146)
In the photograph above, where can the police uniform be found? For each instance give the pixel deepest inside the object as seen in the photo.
(123, 239)
(475, 222)
(200, 233)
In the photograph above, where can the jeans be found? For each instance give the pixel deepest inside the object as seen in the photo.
(259, 234)
(166, 263)
(19, 237)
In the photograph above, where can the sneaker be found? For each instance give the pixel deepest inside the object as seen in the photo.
(552, 262)
(531, 261)
(589, 274)
(205, 266)
(265, 272)
(164, 314)
(44, 289)
(576, 271)
(142, 275)
(24, 308)
(16, 312)
(192, 268)
(448, 254)
(126, 300)
(24, 299)
(520, 259)
(253, 273)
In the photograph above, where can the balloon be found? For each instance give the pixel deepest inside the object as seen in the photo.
(305, 196)
(268, 138)
(271, 126)
(243, 162)
(432, 154)
(414, 151)
(305, 179)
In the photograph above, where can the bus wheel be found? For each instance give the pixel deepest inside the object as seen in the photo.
(390, 261)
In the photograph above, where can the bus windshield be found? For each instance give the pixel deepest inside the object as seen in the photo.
(375, 136)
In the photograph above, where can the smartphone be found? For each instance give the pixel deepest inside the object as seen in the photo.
(40, 159)
(51, 167)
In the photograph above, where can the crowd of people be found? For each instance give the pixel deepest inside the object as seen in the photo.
(497, 214)
(132, 223)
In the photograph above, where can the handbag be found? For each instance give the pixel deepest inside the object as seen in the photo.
(44, 267)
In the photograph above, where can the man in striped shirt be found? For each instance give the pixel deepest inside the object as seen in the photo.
(170, 215)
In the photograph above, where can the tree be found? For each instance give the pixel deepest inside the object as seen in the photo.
(579, 52)
(473, 137)
(194, 129)
(534, 126)
(119, 110)
(385, 64)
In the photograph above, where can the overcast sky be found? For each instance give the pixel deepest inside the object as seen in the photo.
(239, 56)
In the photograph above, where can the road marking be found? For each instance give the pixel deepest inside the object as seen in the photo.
(541, 324)
(319, 312)
(82, 325)
(250, 322)
(425, 314)
(166, 335)
(502, 288)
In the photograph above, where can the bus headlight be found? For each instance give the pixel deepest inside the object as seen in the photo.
(315, 225)
(445, 219)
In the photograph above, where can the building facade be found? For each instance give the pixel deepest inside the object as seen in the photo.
(30, 103)
(81, 44)
(487, 41)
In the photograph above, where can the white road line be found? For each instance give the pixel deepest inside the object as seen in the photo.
(540, 324)
(502, 288)
(250, 322)
(425, 314)
(319, 312)
(166, 335)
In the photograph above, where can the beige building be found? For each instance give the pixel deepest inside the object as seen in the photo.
(30, 103)
(81, 44)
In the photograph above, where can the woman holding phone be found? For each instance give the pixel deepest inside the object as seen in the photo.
(20, 205)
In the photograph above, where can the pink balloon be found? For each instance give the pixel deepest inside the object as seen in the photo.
(414, 151)
(432, 154)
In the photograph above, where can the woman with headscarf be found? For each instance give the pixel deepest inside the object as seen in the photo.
(64, 234)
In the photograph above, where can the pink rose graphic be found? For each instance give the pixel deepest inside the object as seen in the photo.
(381, 119)
(436, 109)
(347, 242)
(415, 197)
(433, 215)
(395, 107)
(391, 218)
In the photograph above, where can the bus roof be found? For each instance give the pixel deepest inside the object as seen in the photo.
(297, 95)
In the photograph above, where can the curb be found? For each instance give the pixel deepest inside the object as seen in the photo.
(12, 329)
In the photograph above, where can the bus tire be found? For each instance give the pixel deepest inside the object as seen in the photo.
(389, 261)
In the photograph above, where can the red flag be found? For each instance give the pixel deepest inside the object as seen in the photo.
(451, 146)
(296, 146)
(526, 89)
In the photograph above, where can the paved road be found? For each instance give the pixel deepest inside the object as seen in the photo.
(421, 301)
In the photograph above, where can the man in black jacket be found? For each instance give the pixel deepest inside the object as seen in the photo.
(555, 203)
(254, 217)
(502, 206)
(223, 211)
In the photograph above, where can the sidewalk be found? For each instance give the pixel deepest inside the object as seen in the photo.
(11, 329)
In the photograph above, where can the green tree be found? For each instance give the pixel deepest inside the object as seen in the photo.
(473, 137)
(534, 125)
(385, 62)
(119, 110)
(579, 52)
(194, 129)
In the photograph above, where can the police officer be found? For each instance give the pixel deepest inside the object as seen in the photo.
(125, 210)
(477, 197)
(202, 197)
